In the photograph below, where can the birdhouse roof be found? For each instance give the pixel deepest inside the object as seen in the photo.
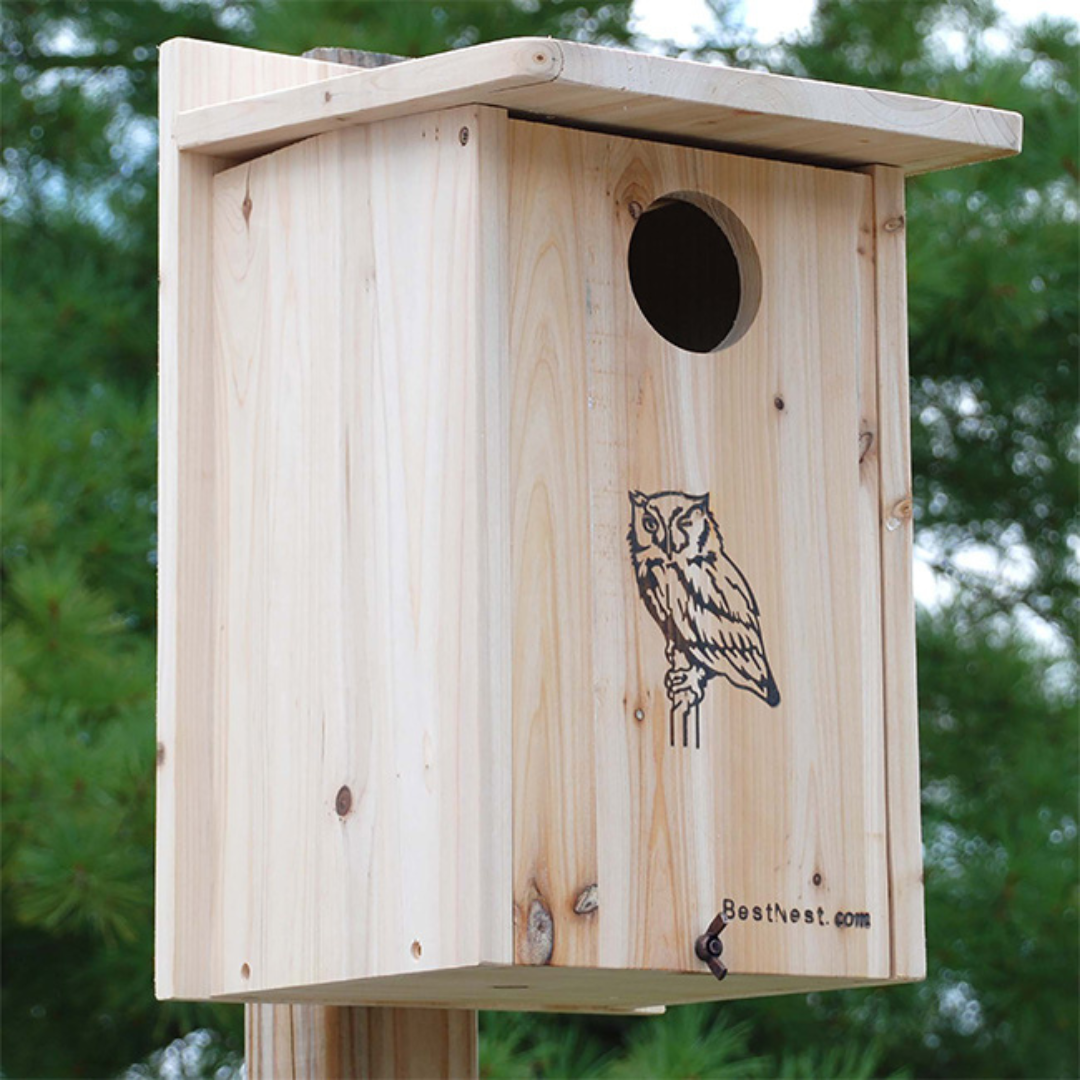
(632, 93)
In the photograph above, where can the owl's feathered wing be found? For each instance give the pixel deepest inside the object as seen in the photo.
(715, 620)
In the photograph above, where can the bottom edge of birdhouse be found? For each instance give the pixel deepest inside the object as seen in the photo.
(549, 989)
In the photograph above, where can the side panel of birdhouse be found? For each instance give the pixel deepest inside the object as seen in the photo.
(691, 742)
(192, 74)
(361, 785)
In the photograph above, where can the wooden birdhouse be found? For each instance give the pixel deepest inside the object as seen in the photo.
(535, 557)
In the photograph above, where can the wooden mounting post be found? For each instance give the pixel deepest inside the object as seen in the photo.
(330, 1042)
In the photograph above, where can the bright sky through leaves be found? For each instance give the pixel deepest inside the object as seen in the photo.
(678, 20)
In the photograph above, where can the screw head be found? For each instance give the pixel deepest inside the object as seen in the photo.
(463, 136)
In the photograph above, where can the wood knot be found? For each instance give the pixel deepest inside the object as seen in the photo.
(588, 900)
(160, 754)
(901, 511)
(894, 224)
(866, 441)
(343, 801)
(904, 508)
(778, 403)
(539, 935)
(246, 206)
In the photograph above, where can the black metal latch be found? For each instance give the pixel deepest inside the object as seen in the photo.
(708, 947)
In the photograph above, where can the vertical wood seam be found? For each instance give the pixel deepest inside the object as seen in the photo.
(902, 793)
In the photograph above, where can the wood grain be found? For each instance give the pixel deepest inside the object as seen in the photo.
(590, 86)
(264, 122)
(898, 597)
(780, 806)
(361, 557)
(192, 74)
(314, 1042)
(412, 721)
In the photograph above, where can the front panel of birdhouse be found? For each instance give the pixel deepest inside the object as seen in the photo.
(697, 664)
(532, 587)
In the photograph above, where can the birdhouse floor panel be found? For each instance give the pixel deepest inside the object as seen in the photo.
(551, 989)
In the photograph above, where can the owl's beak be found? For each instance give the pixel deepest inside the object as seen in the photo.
(666, 545)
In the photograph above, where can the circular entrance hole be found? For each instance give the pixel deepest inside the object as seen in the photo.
(694, 272)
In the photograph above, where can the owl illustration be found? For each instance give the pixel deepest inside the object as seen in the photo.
(701, 601)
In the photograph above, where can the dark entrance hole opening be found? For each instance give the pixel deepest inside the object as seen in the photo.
(694, 272)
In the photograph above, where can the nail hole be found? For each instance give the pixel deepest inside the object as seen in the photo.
(694, 271)
(778, 401)
(817, 879)
(417, 950)
(245, 971)
(639, 714)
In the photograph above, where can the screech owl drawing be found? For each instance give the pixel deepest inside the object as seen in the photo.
(700, 600)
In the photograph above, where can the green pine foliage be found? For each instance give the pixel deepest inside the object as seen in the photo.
(994, 283)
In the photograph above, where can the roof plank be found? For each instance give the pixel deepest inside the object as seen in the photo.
(614, 89)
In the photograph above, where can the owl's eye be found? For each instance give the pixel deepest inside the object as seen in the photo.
(649, 522)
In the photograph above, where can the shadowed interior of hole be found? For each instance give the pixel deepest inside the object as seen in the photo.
(684, 275)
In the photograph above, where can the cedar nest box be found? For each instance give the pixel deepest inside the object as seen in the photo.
(536, 619)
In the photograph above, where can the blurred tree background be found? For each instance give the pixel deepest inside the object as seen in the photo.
(994, 341)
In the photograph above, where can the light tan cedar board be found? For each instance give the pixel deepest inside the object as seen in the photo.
(361, 543)
(589, 86)
(192, 74)
(777, 802)
(897, 563)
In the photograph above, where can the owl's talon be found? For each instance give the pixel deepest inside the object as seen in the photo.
(686, 682)
(676, 681)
